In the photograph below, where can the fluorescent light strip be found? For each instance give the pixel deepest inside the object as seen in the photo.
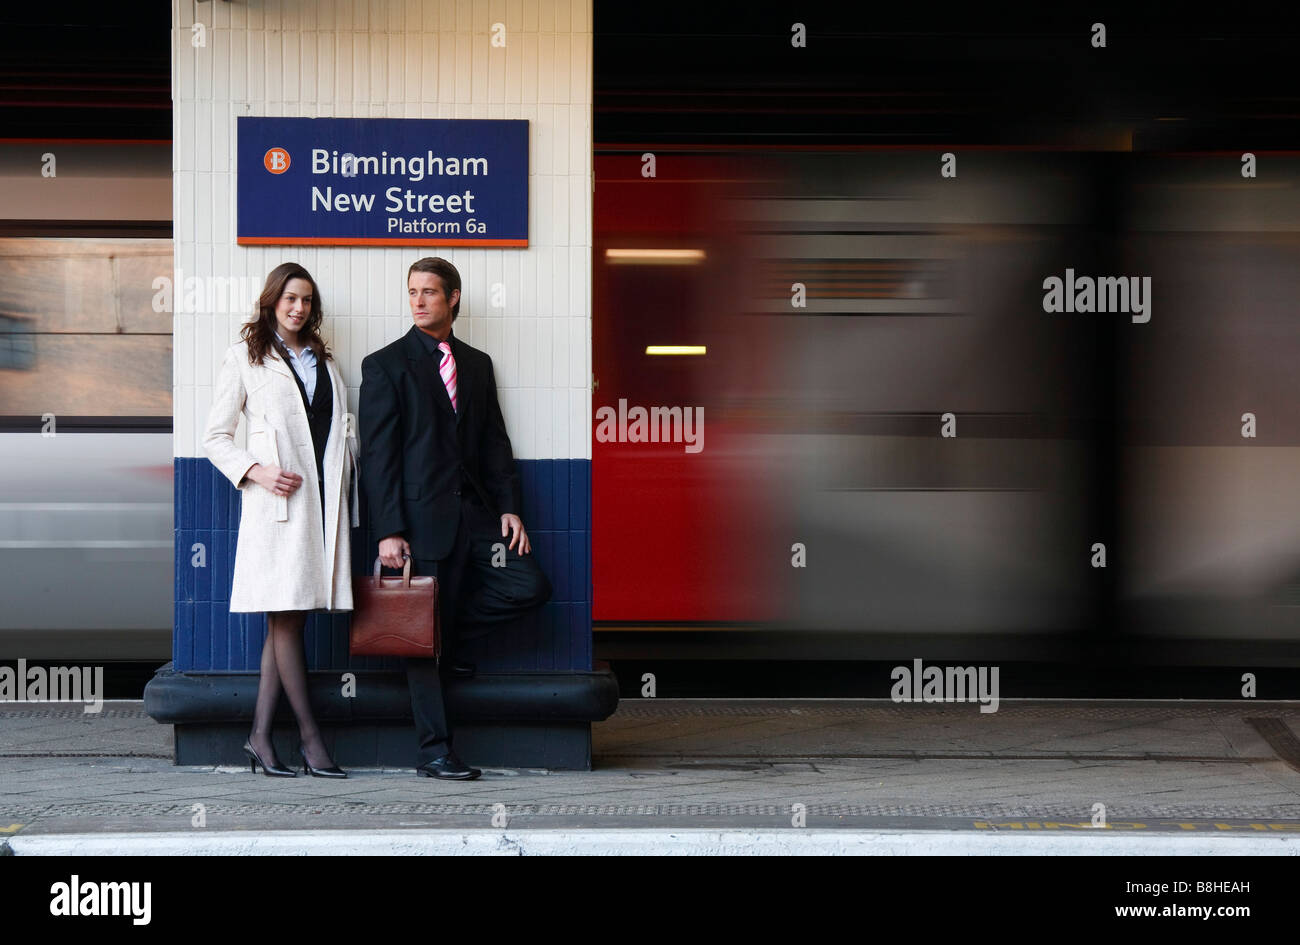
(675, 349)
(656, 257)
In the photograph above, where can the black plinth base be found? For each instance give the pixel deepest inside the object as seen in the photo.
(554, 745)
(506, 720)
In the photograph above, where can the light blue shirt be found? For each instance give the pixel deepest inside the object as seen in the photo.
(304, 365)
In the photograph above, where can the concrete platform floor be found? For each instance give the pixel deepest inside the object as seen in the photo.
(737, 767)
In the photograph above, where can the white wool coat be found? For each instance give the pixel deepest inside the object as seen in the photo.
(281, 560)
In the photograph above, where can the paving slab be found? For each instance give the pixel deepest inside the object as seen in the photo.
(1078, 770)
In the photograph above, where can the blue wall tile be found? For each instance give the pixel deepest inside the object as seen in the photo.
(203, 501)
(557, 500)
(221, 556)
(202, 575)
(183, 635)
(254, 639)
(560, 496)
(540, 510)
(580, 502)
(202, 641)
(561, 552)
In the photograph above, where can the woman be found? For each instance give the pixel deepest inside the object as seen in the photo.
(293, 553)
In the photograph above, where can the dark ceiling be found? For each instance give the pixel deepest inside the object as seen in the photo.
(726, 74)
(916, 73)
(82, 70)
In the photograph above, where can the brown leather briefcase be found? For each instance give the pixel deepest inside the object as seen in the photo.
(395, 616)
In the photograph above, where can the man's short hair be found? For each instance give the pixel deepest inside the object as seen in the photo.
(444, 271)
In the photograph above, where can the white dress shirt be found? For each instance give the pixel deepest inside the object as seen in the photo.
(304, 365)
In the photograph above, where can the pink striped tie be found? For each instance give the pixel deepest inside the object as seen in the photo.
(448, 371)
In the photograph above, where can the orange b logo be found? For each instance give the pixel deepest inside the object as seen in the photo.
(276, 160)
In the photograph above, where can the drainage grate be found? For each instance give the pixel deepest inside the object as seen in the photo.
(107, 753)
(74, 711)
(704, 760)
(674, 709)
(1058, 812)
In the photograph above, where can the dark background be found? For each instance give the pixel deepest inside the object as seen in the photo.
(699, 76)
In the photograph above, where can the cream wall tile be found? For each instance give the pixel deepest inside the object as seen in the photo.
(398, 58)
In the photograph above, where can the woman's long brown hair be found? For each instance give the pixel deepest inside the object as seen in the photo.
(260, 332)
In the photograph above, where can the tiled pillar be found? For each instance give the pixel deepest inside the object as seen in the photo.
(395, 59)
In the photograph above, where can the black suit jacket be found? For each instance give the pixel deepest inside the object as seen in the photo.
(417, 452)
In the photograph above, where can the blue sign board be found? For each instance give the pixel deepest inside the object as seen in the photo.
(382, 182)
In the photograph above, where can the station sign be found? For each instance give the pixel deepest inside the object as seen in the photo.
(382, 182)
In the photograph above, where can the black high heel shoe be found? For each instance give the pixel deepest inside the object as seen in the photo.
(334, 772)
(275, 770)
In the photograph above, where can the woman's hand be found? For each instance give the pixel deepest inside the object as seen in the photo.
(274, 479)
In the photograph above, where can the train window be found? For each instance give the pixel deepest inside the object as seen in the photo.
(79, 335)
(17, 348)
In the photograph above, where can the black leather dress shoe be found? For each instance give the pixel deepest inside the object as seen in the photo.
(449, 767)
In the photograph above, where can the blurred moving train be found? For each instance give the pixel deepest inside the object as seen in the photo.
(86, 548)
(85, 401)
(906, 453)
(842, 303)
(903, 454)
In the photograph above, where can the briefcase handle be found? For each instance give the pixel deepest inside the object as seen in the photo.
(406, 574)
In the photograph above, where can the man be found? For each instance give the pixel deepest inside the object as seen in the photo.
(440, 478)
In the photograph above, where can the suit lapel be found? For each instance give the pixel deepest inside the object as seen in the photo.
(463, 378)
(425, 368)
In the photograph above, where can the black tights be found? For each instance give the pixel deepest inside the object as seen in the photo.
(283, 664)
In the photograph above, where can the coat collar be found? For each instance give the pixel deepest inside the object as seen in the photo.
(413, 347)
(272, 361)
(416, 349)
